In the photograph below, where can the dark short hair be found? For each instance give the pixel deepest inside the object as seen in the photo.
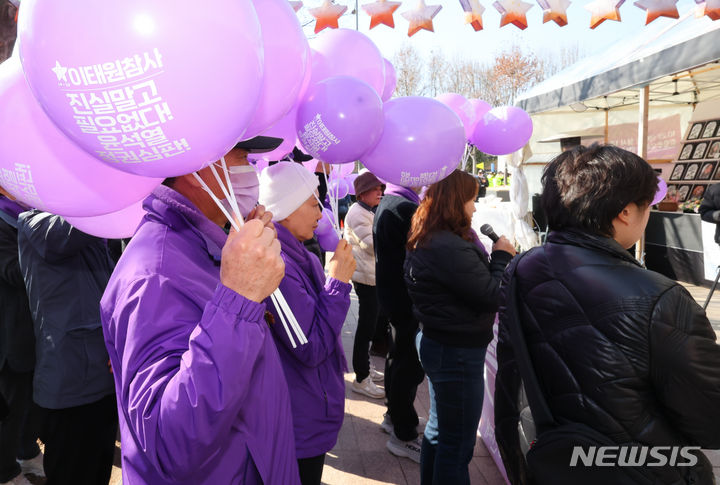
(587, 187)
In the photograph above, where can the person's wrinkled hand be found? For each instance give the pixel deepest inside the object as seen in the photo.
(251, 264)
(503, 244)
(261, 214)
(342, 264)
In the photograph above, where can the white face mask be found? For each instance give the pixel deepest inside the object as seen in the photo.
(246, 187)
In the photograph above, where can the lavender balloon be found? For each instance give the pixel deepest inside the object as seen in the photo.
(340, 119)
(422, 143)
(285, 129)
(338, 188)
(44, 169)
(461, 106)
(390, 81)
(116, 225)
(131, 85)
(325, 232)
(479, 107)
(346, 52)
(503, 130)
(287, 56)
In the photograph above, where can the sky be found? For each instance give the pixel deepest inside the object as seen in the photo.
(454, 38)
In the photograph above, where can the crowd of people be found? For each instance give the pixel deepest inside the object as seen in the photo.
(179, 340)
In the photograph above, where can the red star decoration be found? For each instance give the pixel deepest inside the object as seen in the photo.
(603, 10)
(555, 11)
(327, 15)
(711, 8)
(296, 5)
(658, 8)
(473, 13)
(381, 12)
(513, 12)
(421, 17)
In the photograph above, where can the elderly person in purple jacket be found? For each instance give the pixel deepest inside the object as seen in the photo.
(201, 393)
(314, 371)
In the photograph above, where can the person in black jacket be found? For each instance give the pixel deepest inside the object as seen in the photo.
(710, 208)
(616, 347)
(403, 372)
(18, 433)
(455, 290)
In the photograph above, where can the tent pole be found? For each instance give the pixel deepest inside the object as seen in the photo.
(607, 115)
(642, 152)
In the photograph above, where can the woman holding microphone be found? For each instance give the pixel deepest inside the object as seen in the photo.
(454, 287)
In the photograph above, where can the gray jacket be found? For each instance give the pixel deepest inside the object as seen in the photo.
(65, 273)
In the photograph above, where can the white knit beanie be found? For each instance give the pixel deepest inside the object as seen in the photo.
(284, 187)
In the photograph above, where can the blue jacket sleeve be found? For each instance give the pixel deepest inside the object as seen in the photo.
(184, 371)
(52, 236)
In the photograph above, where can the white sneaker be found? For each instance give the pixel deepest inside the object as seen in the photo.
(376, 375)
(33, 466)
(387, 425)
(18, 480)
(368, 387)
(408, 449)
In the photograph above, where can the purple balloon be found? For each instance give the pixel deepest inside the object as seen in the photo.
(350, 179)
(286, 58)
(480, 107)
(503, 130)
(346, 52)
(43, 169)
(338, 188)
(131, 85)
(116, 225)
(462, 107)
(390, 81)
(661, 191)
(423, 142)
(340, 119)
(325, 232)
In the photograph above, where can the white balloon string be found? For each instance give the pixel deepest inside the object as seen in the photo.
(285, 308)
(228, 193)
(284, 322)
(233, 198)
(217, 201)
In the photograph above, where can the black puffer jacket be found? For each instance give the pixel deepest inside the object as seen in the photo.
(454, 289)
(617, 347)
(710, 208)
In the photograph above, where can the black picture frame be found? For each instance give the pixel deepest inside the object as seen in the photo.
(678, 171)
(706, 171)
(682, 192)
(710, 129)
(716, 175)
(714, 150)
(695, 131)
(697, 192)
(671, 192)
(699, 151)
(686, 151)
(692, 171)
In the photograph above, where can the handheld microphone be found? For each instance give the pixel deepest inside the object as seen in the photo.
(487, 230)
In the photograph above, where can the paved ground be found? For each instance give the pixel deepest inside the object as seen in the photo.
(360, 456)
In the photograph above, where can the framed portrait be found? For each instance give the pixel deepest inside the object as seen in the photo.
(686, 152)
(706, 170)
(695, 131)
(682, 192)
(714, 151)
(692, 171)
(716, 175)
(671, 192)
(678, 172)
(700, 150)
(697, 192)
(709, 130)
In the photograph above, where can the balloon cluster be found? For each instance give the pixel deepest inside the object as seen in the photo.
(92, 122)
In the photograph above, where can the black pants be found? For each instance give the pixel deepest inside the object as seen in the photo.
(367, 318)
(18, 431)
(311, 469)
(403, 373)
(80, 443)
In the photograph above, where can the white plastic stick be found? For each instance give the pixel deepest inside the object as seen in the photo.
(282, 318)
(217, 201)
(291, 317)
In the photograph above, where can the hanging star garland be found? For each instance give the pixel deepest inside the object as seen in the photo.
(555, 11)
(421, 17)
(327, 15)
(711, 8)
(296, 5)
(658, 8)
(603, 10)
(513, 12)
(381, 12)
(473, 13)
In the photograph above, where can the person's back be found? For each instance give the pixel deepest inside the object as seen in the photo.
(616, 347)
(710, 208)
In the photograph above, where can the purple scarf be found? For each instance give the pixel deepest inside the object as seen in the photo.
(10, 207)
(405, 192)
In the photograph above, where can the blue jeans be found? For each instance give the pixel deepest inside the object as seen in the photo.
(457, 380)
